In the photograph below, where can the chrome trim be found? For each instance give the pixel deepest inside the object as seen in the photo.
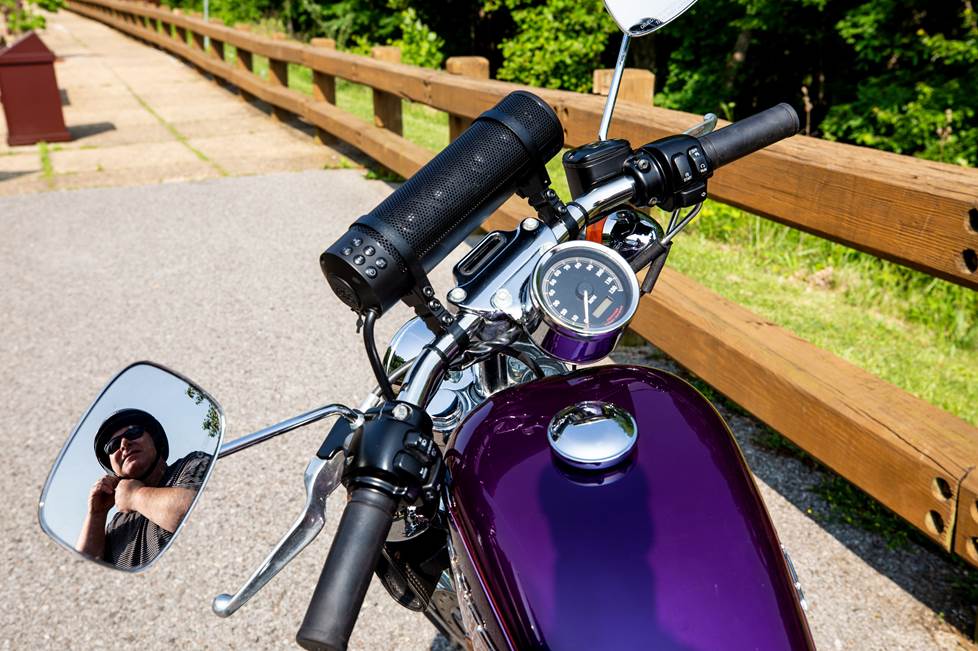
(551, 319)
(629, 232)
(410, 521)
(429, 368)
(606, 195)
(795, 582)
(244, 442)
(322, 477)
(609, 105)
(592, 435)
(497, 293)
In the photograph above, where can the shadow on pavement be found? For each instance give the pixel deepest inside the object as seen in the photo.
(80, 131)
(9, 176)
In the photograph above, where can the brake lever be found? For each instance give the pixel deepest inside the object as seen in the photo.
(708, 124)
(322, 477)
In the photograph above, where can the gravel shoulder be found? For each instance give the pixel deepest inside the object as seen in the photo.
(219, 279)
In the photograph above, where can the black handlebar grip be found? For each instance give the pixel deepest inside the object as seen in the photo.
(750, 134)
(346, 575)
(448, 198)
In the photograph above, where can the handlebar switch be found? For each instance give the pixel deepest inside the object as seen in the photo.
(395, 456)
(684, 169)
(649, 178)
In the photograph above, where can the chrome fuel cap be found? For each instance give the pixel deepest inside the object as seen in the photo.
(592, 435)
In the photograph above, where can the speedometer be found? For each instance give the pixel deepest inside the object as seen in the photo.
(586, 294)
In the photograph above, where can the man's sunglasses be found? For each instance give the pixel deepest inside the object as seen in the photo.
(133, 433)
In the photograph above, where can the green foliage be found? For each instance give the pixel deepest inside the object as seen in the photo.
(558, 44)
(20, 16)
(420, 46)
(892, 74)
(917, 91)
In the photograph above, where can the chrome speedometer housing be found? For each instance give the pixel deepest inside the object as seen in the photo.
(586, 295)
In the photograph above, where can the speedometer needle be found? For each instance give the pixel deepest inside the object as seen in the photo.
(587, 318)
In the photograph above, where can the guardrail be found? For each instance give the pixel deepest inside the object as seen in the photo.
(911, 456)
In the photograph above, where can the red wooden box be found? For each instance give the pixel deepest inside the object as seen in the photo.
(29, 93)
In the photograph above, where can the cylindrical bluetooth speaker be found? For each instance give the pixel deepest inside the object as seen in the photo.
(377, 261)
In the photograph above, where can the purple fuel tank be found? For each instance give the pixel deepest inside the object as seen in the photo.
(672, 550)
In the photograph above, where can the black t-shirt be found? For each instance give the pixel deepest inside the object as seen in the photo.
(132, 539)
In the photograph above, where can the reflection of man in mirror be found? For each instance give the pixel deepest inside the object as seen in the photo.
(151, 497)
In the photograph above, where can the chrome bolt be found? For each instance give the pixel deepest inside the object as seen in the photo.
(502, 299)
(643, 164)
(530, 224)
(457, 295)
(401, 411)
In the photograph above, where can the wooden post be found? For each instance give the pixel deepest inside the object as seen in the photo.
(637, 85)
(243, 61)
(476, 67)
(387, 106)
(324, 88)
(278, 75)
(197, 40)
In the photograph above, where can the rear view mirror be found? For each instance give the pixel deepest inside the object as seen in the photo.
(641, 17)
(132, 470)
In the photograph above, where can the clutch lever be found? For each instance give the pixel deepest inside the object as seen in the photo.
(322, 477)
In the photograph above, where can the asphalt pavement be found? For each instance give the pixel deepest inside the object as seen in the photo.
(219, 279)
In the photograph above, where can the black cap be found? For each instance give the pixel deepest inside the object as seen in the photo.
(124, 418)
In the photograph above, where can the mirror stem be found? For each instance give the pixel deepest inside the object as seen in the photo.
(609, 106)
(244, 442)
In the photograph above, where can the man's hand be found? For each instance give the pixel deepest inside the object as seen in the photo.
(102, 496)
(125, 494)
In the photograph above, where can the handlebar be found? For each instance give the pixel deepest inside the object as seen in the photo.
(672, 172)
(356, 548)
(750, 134)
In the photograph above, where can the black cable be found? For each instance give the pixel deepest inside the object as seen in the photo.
(527, 361)
(386, 390)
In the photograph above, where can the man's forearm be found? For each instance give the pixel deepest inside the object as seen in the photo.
(164, 506)
(91, 539)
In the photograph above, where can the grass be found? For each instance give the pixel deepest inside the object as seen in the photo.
(47, 168)
(910, 329)
(914, 331)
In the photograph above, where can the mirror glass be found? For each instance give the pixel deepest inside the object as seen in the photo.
(132, 470)
(641, 17)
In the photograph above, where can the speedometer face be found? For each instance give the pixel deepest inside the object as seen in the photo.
(586, 287)
(583, 292)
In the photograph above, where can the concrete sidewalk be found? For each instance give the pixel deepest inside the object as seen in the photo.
(141, 116)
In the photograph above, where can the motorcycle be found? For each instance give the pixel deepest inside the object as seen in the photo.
(499, 481)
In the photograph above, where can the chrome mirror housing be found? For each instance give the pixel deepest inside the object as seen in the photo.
(641, 17)
(133, 468)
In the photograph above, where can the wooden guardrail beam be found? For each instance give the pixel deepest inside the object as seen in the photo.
(911, 456)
